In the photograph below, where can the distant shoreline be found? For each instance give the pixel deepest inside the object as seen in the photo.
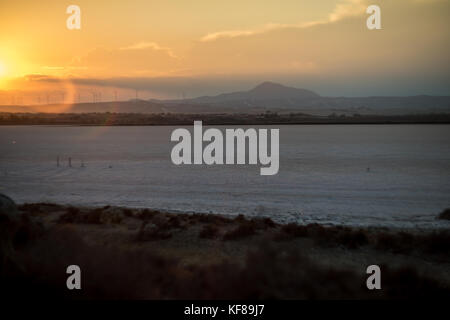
(178, 119)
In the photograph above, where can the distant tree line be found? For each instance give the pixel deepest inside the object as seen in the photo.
(267, 118)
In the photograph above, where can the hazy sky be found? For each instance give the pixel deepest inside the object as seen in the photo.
(201, 47)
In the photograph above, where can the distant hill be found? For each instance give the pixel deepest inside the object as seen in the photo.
(266, 92)
(276, 97)
(267, 96)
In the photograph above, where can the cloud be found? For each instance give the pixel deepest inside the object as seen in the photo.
(344, 9)
(245, 33)
(348, 8)
(229, 34)
(334, 56)
(149, 45)
(412, 46)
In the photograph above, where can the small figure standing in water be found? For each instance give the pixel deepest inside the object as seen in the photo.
(368, 169)
(70, 162)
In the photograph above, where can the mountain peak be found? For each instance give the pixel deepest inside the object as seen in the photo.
(265, 94)
(268, 85)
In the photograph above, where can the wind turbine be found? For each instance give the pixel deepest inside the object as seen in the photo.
(93, 96)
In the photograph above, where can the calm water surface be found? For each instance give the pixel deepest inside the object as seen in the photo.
(323, 175)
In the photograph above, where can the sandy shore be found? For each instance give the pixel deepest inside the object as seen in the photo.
(141, 253)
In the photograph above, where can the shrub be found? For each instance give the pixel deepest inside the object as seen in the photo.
(209, 218)
(174, 222)
(437, 242)
(240, 218)
(352, 239)
(240, 232)
(27, 231)
(151, 233)
(268, 272)
(94, 216)
(209, 232)
(269, 223)
(295, 230)
(263, 223)
(73, 211)
(401, 242)
(127, 212)
(445, 215)
(43, 207)
(147, 214)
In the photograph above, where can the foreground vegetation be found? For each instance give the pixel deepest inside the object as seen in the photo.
(145, 254)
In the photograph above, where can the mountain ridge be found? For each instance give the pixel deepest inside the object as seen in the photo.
(266, 96)
(274, 96)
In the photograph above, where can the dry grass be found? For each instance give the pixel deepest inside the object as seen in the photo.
(271, 271)
(268, 273)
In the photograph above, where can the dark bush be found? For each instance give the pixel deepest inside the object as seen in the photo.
(151, 233)
(209, 232)
(74, 215)
(269, 223)
(262, 223)
(27, 231)
(127, 212)
(407, 282)
(268, 272)
(240, 218)
(437, 242)
(209, 218)
(352, 239)
(73, 211)
(240, 232)
(445, 215)
(295, 230)
(388, 242)
(42, 207)
(147, 214)
(174, 222)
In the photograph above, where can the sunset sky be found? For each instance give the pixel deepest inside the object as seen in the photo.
(197, 47)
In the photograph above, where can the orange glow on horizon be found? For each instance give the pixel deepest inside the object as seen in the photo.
(294, 41)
